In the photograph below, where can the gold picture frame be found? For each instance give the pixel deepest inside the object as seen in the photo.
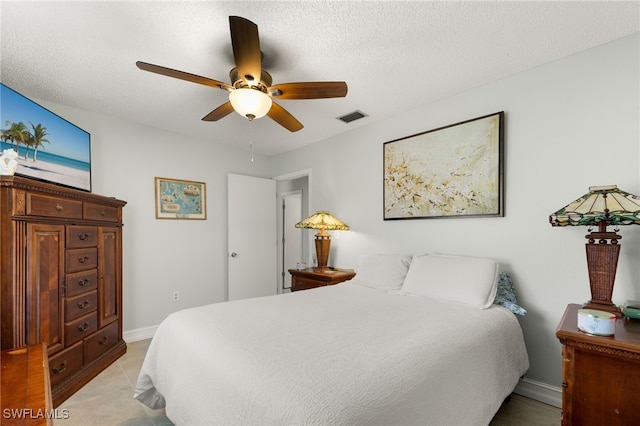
(180, 199)
(451, 171)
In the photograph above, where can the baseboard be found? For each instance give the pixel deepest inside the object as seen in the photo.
(539, 391)
(139, 334)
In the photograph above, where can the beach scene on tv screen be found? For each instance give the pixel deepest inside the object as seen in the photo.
(49, 147)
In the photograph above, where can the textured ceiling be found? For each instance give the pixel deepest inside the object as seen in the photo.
(394, 56)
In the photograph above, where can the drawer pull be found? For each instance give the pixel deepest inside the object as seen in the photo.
(83, 237)
(83, 259)
(59, 207)
(60, 369)
(83, 327)
(103, 340)
(83, 305)
(82, 283)
(103, 213)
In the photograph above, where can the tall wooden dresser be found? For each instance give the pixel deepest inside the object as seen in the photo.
(61, 278)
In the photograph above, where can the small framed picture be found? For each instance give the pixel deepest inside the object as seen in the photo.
(180, 199)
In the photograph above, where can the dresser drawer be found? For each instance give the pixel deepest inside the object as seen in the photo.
(98, 212)
(65, 363)
(81, 259)
(78, 306)
(81, 281)
(300, 283)
(100, 342)
(41, 205)
(81, 236)
(80, 328)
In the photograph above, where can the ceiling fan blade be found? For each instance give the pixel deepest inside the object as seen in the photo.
(183, 75)
(218, 113)
(310, 90)
(246, 49)
(284, 118)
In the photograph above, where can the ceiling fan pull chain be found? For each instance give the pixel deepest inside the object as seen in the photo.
(251, 139)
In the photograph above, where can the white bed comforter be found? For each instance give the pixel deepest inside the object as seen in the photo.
(344, 354)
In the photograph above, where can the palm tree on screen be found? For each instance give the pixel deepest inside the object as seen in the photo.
(37, 138)
(15, 133)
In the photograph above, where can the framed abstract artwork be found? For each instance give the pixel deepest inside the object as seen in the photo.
(449, 172)
(180, 199)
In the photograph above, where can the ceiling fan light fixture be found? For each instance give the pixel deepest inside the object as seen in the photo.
(251, 87)
(250, 103)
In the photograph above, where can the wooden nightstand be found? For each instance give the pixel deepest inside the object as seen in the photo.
(318, 277)
(600, 375)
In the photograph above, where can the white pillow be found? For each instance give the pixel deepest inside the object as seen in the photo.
(462, 279)
(382, 271)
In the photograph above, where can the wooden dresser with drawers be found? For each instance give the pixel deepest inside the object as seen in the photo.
(61, 278)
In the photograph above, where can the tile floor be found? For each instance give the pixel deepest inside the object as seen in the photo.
(108, 401)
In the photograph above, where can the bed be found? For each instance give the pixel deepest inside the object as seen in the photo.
(410, 340)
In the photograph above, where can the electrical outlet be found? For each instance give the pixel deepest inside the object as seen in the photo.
(176, 296)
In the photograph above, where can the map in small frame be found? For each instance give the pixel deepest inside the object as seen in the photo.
(180, 199)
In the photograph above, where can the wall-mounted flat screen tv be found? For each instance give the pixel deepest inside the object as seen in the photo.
(49, 147)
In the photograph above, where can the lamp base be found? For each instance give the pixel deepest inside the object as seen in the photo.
(603, 251)
(323, 244)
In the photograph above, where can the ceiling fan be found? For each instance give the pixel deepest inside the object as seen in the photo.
(251, 92)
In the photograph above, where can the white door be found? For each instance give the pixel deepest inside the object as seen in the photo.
(291, 236)
(252, 237)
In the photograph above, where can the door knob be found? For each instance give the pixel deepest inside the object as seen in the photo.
(234, 254)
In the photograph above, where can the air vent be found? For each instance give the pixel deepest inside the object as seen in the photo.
(352, 116)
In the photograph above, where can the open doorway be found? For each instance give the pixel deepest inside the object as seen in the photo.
(291, 204)
(293, 197)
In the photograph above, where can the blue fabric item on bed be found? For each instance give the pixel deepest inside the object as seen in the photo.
(506, 295)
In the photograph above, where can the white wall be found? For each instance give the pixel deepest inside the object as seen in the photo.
(569, 125)
(161, 256)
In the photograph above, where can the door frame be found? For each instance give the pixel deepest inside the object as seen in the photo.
(282, 232)
(279, 180)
